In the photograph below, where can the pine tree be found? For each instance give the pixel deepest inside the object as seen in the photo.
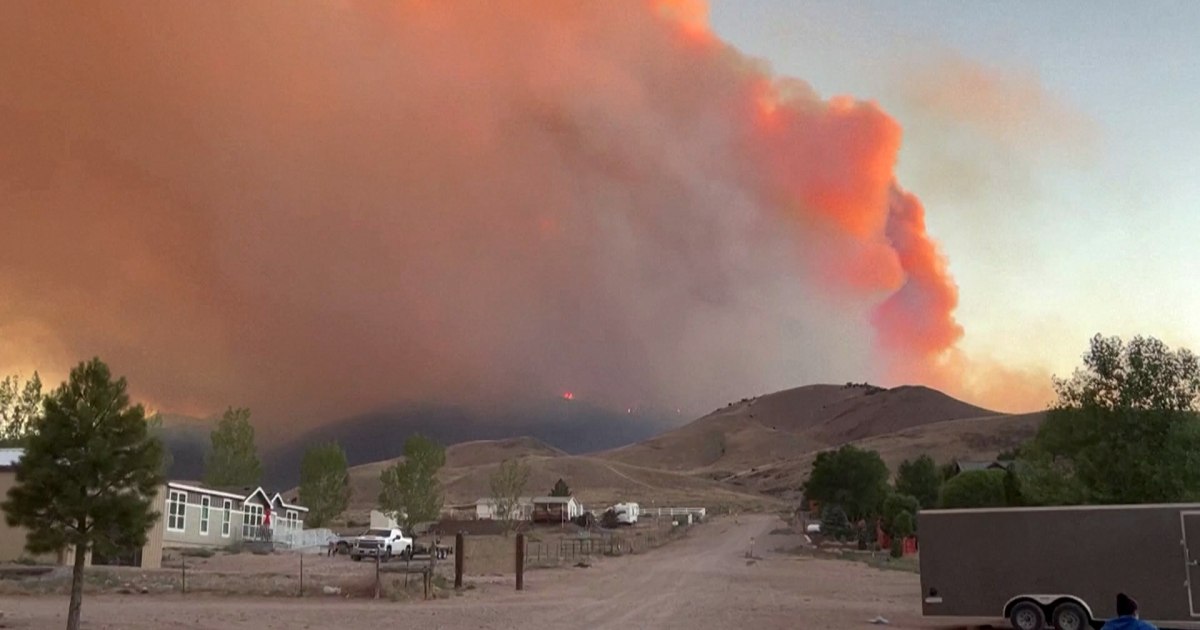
(89, 475)
(560, 489)
(233, 459)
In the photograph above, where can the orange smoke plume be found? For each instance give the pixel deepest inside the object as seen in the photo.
(319, 208)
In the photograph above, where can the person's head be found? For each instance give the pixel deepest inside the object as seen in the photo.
(1126, 606)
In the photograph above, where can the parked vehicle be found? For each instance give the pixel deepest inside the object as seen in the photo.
(1062, 566)
(384, 543)
(626, 513)
(343, 544)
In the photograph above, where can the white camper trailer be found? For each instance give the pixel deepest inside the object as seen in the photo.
(627, 513)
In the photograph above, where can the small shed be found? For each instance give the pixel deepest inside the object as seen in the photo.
(555, 509)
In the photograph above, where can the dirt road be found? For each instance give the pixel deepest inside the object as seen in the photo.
(703, 581)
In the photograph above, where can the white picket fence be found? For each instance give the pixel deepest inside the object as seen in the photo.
(697, 513)
(315, 540)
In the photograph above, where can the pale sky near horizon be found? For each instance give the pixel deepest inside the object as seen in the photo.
(1076, 213)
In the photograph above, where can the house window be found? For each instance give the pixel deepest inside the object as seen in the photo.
(176, 511)
(226, 516)
(252, 521)
(293, 518)
(205, 503)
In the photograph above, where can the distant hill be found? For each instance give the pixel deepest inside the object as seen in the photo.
(788, 424)
(968, 438)
(755, 452)
(574, 427)
(595, 482)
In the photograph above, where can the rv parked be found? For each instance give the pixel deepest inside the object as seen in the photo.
(627, 513)
(1062, 567)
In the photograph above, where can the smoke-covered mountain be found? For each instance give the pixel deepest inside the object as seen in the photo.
(573, 426)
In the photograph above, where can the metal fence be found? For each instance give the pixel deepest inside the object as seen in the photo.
(553, 552)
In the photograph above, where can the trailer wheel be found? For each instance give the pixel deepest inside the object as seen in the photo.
(1027, 616)
(1070, 616)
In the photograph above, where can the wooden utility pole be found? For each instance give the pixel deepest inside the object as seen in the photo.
(458, 560)
(520, 562)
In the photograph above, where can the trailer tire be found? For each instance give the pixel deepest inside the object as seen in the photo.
(1070, 616)
(1027, 615)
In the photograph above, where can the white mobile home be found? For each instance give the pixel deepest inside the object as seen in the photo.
(200, 516)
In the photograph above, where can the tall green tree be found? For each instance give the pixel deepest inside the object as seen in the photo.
(89, 475)
(324, 483)
(507, 485)
(411, 493)
(975, 489)
(1123, 430)
(560, 489)
(851, 477)
(895, 505)
(233, 458)
(920, 478)
(20, 408)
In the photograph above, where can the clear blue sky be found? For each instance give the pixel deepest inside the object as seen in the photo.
(1078, 213)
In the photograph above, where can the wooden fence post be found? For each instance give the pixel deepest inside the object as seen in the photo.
(301, 574)
(459, 543)
(183, 568)
(520, 562)
(377, 575)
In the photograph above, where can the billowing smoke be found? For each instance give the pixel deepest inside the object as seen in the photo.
(318, 208)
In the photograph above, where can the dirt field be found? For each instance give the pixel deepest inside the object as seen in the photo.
(702, 581)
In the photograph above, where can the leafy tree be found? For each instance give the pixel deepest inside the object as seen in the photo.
(411, 493)
(975, 489)
(948, 471)
(507, 486)
(920, 478)
(89, 474)
(233, 458)
(560, 489)
(1012, 489)
(903, 526)
(835, 523)
(324, 483)
(20, 409)
(1123, 430)
(853, 478)
(894, 506)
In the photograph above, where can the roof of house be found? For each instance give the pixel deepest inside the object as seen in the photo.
(553, 499)
(10, 456)
(964, 466)
(235, 493)
(195, 486)
(491, 501)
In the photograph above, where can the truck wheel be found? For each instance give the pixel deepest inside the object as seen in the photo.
(407, 553)
(1070, 616)
(1027, 616)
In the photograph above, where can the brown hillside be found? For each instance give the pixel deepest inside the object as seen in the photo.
(788, 424)
(970, 438)
(595, 482)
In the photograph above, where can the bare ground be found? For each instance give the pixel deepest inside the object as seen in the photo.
(702, 581)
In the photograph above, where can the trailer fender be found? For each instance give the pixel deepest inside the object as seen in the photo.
(1048, 602)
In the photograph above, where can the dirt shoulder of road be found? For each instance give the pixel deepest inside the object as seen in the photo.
(728, 573)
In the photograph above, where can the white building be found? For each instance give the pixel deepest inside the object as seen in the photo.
(486, 510)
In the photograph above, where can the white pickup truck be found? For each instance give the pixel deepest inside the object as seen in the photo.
(383, 543)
